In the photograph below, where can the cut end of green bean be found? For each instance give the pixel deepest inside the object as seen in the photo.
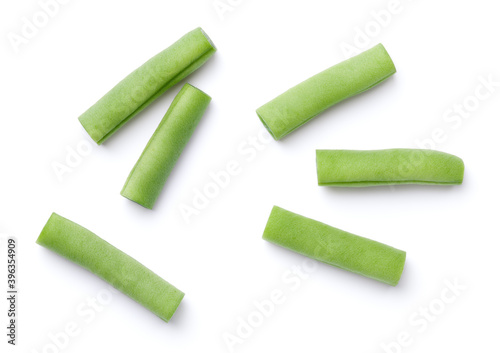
(212, 44)
(263, 121)
(303, 102)
(146, 180)
(334, 246)
(86, 249)
(357, 168)
(141, 87)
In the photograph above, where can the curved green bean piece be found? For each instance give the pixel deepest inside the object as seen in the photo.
(83, 247)
(147, 178)
(353, 168)
(303, 102)
(334, 246)
(136, 91)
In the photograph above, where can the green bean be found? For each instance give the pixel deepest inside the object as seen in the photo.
(86, 249)
(334, 246)
(352, 168)
(147, 178)
(303, 102)
(140, 88)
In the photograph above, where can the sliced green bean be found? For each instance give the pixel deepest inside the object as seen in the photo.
(136, 91)
(83, 247)
(334, 246)
(353, 168)
(303, 102)
(147, 178)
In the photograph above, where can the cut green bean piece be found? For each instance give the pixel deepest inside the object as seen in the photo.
(147, 178)
(86, 249)
(334, 246)
(136, 91)
(352, 168)
(303, 102)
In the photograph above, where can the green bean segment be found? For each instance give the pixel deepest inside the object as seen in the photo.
(146, 180)
(303, 102)
(86, 249)
(334, 246)
(140, 88)
(356, 168)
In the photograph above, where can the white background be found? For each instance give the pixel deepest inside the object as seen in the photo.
(441, 50)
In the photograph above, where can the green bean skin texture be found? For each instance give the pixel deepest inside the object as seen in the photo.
(86, 249)
(356, 168)
(303, 102)
(140, 88)
(146, 180)
(334, 246)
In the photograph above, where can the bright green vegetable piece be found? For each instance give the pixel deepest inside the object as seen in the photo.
(303, 102)
(147, 178)
(83, 247)
(351, 168)
(136, 91)
(334, 246)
